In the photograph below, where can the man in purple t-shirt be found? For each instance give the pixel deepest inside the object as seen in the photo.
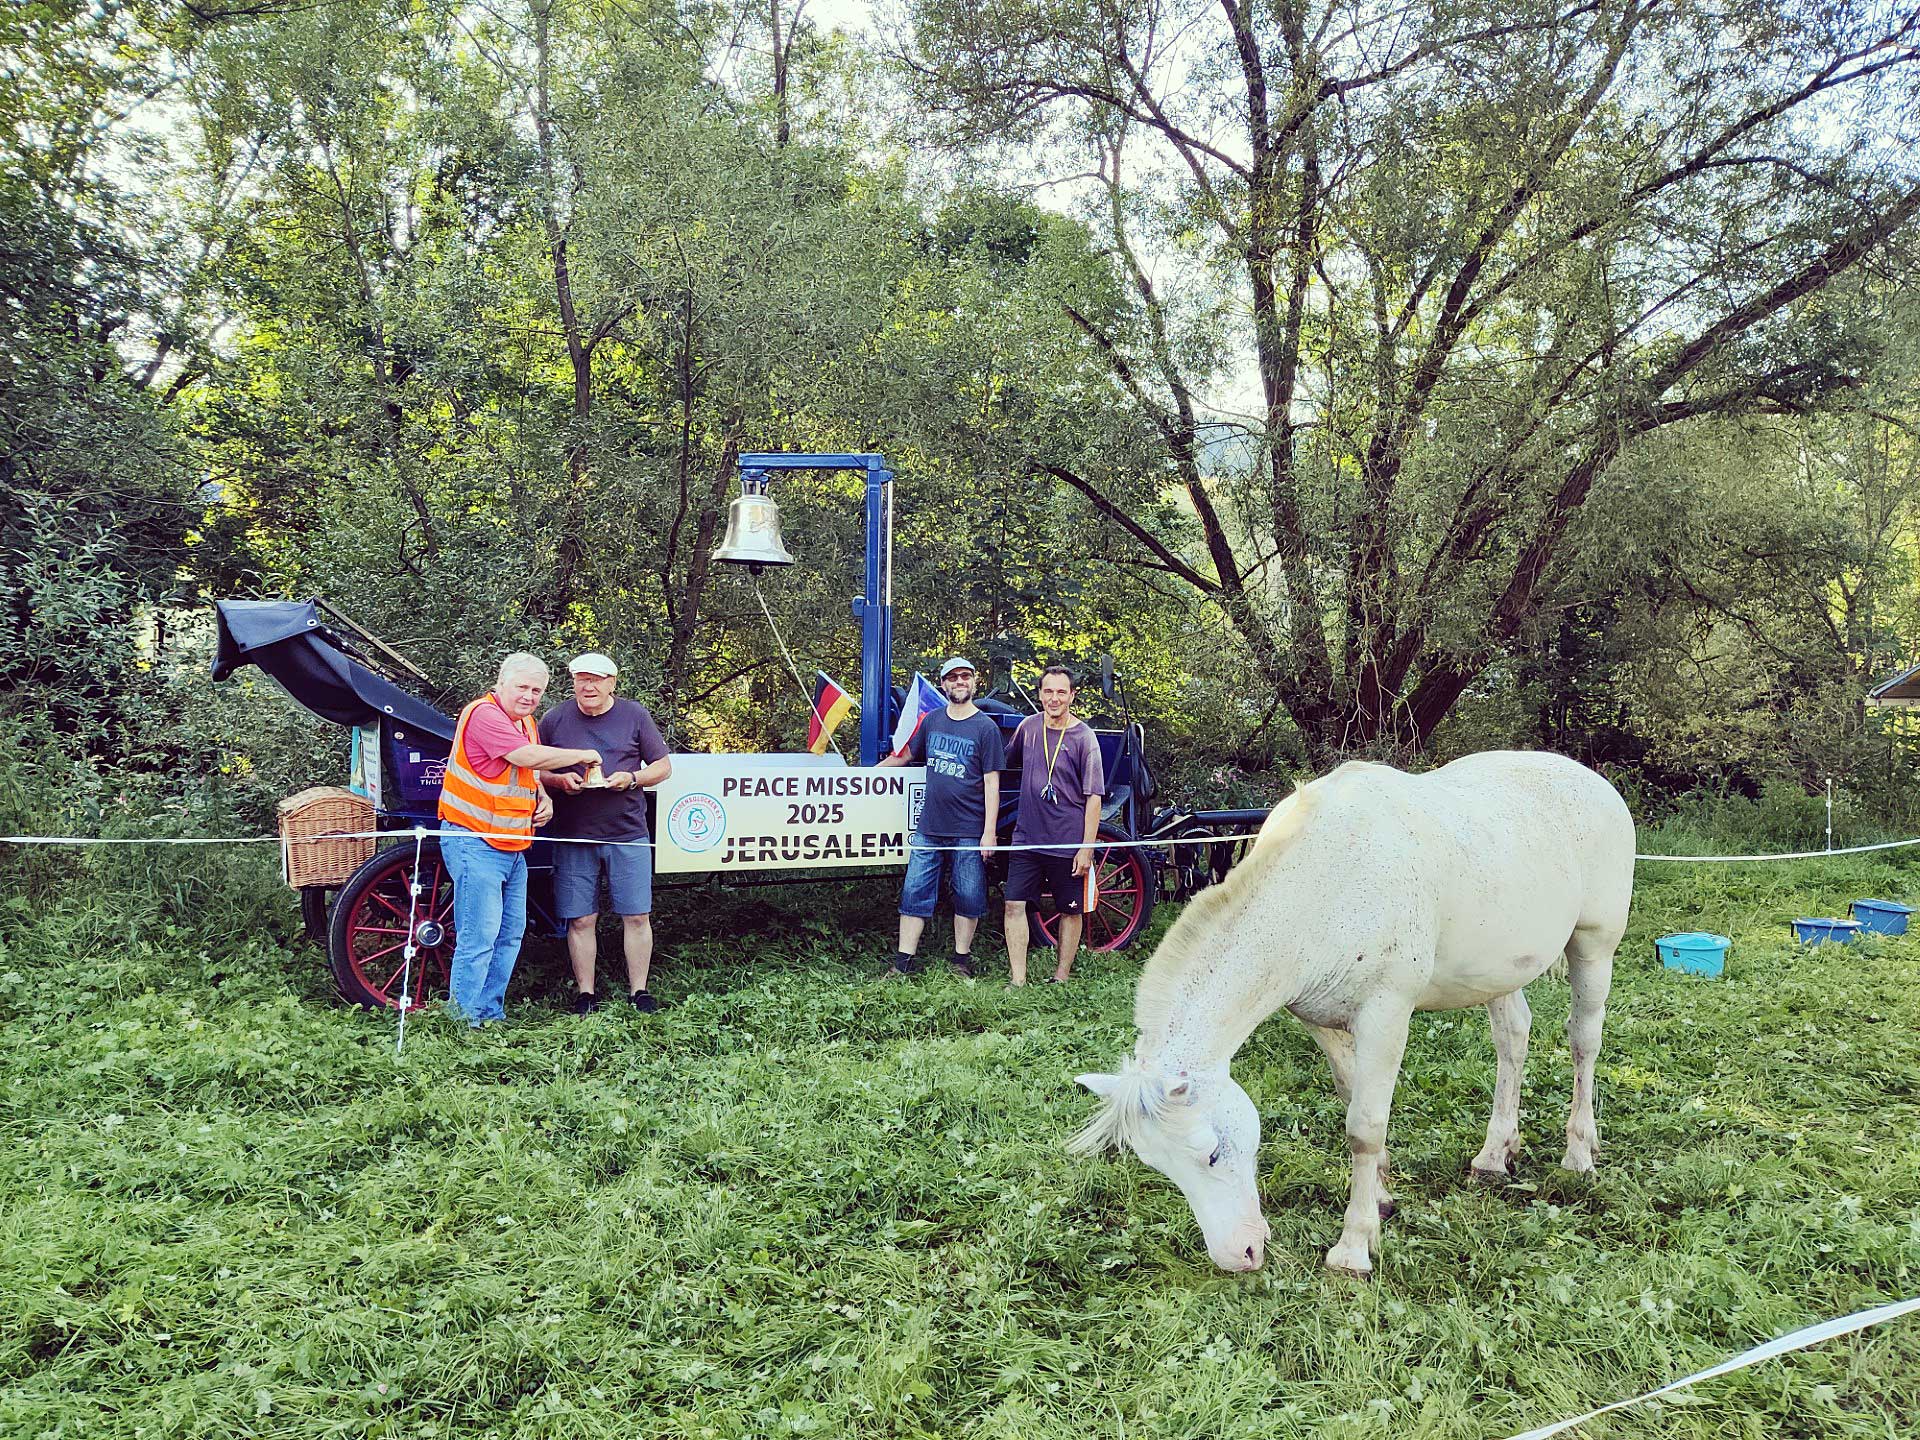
(1062, 783)
(634, 758)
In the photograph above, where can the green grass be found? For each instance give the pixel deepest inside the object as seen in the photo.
(802, 1202)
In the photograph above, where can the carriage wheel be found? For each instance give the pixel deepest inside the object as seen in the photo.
(1126, 898)
(368, 937)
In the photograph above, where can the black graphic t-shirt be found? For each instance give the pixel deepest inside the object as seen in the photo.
(958, 755)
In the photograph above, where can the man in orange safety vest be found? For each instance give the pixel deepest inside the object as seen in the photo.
(490, 804)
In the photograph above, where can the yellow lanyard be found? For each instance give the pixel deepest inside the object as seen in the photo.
(1052, 755)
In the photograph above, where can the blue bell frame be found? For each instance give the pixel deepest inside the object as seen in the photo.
(873, 608)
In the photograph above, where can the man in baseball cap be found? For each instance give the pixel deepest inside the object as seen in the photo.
(960, 746)
(614, 811)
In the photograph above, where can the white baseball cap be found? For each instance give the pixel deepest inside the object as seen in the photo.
(956, 663)
(593, 663)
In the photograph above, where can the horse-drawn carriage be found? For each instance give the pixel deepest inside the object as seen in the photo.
(1144, 854)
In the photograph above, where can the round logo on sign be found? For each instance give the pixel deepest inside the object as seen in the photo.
(696, 822)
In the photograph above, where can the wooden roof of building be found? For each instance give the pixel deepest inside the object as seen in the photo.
(1900, 693)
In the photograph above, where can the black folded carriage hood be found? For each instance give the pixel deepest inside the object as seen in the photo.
(287, 639)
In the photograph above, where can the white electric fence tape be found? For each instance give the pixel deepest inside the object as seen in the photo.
(1794, 1340)
(1150, 843)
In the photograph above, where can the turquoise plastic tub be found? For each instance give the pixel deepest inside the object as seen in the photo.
(1883, 917)
(1825, 930)
(1695, 952)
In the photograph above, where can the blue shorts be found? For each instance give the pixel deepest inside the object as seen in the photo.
(579, 869)
(966, 869)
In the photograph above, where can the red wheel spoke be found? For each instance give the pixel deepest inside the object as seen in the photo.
(385, 987)
(362, 961)
(375, 930)
(438, 910)
(376, 895)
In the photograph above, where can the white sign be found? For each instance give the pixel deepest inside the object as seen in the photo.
(759, 812)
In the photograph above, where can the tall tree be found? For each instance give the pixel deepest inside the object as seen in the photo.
(1470, 253)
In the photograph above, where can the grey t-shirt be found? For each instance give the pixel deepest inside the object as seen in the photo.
(1068, 761)
(958, 755)
(627, 739)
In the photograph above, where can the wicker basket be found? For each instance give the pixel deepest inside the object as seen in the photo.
(316, 830)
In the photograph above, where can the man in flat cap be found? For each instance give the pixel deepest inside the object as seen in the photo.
(607, 806)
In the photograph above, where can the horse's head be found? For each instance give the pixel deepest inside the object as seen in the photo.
(1199, 1129)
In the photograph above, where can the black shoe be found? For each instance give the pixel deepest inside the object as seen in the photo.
(643, 1002)
(961, 965)
(585, 1003)
(903, 964)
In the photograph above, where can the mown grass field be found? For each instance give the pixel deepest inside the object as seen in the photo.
(803, 1202)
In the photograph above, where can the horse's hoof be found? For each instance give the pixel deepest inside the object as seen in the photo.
(1490, 1177)
(1389, 1208)
(1357, 1264)
(1578, 1164)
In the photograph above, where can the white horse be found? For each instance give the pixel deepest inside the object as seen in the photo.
(1371, 894)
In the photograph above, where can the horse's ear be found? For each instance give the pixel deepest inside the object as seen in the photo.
(1101, 1085)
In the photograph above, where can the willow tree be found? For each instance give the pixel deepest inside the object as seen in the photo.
(1460, 256)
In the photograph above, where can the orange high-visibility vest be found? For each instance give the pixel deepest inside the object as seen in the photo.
(499, 810)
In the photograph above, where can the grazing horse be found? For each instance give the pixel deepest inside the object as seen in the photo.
(1368, 895)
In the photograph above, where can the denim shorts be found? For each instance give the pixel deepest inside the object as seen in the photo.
(579, 869)
(966, 869)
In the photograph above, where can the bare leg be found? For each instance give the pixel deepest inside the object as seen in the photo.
(965, 927)
(1379, 1042)
(1016, 928)
(1070, 928)
(1511, 1021)
(1590, 973)
(580, 950)
(637, 933)
(910, 928)
(1337, 1046)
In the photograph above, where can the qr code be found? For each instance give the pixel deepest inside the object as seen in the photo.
(916, 799)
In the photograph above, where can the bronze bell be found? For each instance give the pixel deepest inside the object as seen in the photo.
(753, 526)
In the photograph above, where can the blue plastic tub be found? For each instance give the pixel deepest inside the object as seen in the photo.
(1826, 930)
(1883, 917)
(1696, 952)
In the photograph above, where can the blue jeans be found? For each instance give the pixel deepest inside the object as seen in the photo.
(489, 917)
(920, 892)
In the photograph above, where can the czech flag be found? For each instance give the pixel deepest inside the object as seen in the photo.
(830, 707)
(922, 699)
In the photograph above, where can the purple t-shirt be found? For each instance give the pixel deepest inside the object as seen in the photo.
(1073, 755)
(627, 739)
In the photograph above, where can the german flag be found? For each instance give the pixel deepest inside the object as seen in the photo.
(830, 707)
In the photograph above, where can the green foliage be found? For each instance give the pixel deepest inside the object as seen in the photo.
(802, 1201)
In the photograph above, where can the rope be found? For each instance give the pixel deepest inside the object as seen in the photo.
(813, 705)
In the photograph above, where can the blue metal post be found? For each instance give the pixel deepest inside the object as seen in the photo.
(873, 608)
(876, 620)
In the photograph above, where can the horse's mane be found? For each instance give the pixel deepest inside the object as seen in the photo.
(1124, 1115)
(1188, 941)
